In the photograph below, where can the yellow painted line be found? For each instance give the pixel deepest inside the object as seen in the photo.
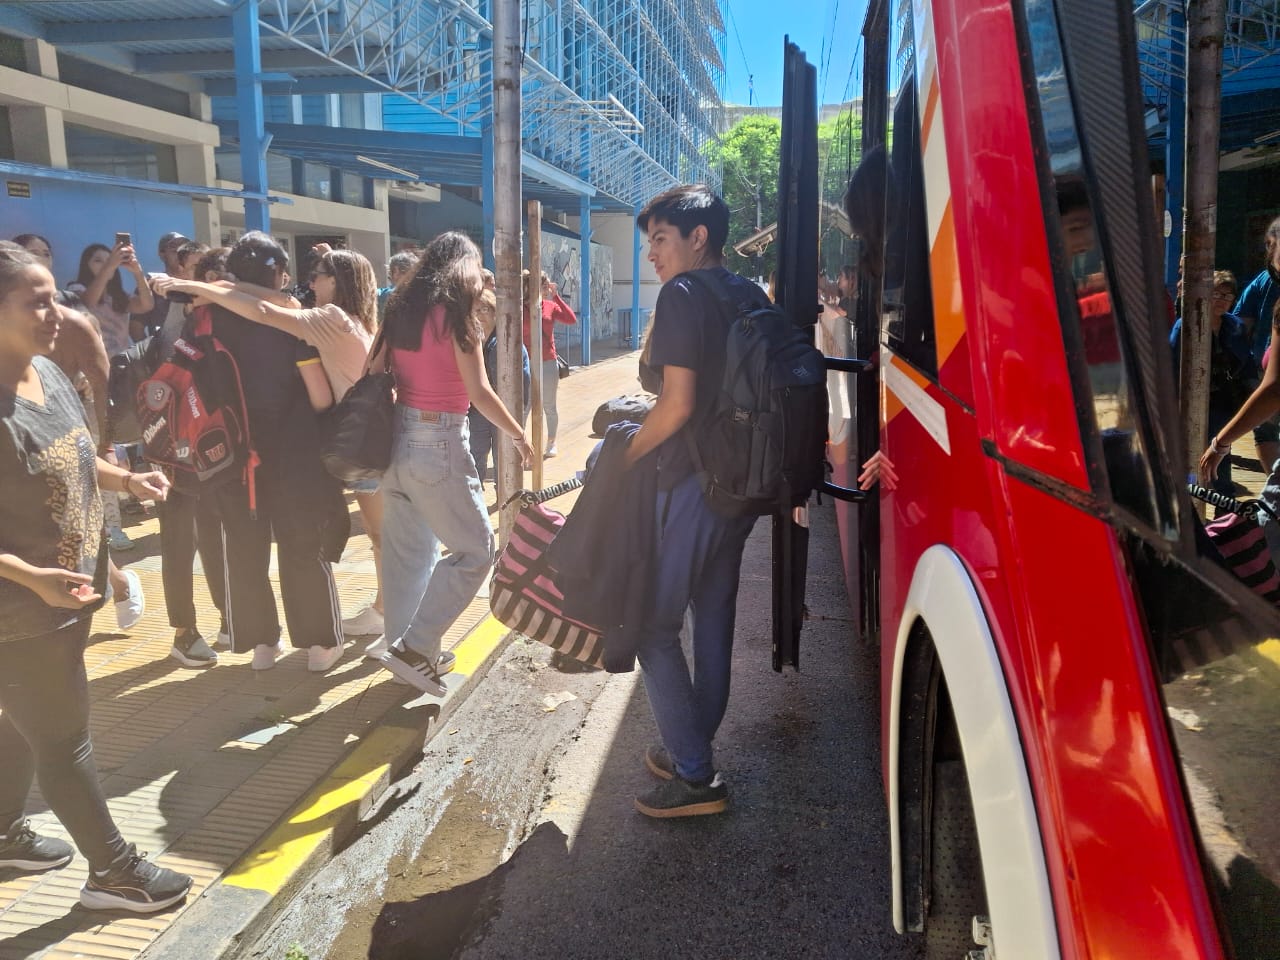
(271, 865)
(281, 853)
(476, 647)
(1271, 650)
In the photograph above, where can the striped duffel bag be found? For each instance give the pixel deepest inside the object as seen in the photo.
(523, 595)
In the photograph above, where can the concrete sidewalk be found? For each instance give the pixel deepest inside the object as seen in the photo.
(246, 780)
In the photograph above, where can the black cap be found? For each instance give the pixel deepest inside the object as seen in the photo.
(168, 238)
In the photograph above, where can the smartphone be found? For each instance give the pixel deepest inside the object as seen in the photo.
(123, 239)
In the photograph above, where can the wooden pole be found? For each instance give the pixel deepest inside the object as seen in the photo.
(1206, 26)
(506, 239)
(533, 297)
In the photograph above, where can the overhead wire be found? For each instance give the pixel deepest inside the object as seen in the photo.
(830, 49)
(733, 21)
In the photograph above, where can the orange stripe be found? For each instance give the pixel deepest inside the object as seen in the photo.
(948, 303)
(930, 106)
(892, 405)
(911, 373)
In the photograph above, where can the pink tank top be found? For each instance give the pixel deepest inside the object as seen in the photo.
(428, 379)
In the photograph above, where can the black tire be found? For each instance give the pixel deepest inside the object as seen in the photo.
(956, 893)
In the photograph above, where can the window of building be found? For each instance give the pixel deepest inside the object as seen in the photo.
(279, 169)
(351, 110)
(317, 181)
(353, 189)
(97, 152)
(6, 136)
(315, 109)
(12, 52)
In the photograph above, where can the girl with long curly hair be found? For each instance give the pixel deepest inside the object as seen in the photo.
(432, 492)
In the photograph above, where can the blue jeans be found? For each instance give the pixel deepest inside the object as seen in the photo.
(699, 556)
(432, 497)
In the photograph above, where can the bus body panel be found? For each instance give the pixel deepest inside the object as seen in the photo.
(1118, 846)
(1019, 367)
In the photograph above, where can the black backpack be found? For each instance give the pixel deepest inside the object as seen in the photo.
(761, 449)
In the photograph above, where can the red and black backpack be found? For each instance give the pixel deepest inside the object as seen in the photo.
(193, 417)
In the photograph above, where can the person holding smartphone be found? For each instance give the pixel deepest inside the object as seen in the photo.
(101, 287)
(53, 574)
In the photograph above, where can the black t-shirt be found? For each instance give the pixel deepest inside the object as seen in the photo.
(689, 330)
(50, 511)
(268, 360)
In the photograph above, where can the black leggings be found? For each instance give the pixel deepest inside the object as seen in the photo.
(44, 733)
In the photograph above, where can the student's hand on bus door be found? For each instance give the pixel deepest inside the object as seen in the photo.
(878, 469)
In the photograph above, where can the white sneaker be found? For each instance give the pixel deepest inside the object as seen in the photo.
(366, 623)
(129, 610)
(323, 659)
(376, 649)
(265, 655)
(223, 640)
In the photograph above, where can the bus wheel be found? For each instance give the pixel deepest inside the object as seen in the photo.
(956, 894)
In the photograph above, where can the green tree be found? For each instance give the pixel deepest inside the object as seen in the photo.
(748, 156)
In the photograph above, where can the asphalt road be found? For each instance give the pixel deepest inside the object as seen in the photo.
(516, 836)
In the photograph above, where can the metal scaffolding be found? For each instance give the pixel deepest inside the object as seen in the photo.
(624, 94)
(1253, 35)
(621, 94)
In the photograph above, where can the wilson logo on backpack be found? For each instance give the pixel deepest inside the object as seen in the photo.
(762, 447)
(193, 415)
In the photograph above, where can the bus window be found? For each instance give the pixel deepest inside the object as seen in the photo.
(1089, 316)
(907, 299)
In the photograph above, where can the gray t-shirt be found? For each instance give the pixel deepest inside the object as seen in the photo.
(50, 513)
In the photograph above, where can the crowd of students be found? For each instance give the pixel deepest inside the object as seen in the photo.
(62, 475)
(427, 515)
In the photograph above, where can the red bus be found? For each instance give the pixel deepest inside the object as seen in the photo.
(1081, 708)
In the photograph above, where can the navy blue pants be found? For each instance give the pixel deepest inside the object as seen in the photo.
(699, 557)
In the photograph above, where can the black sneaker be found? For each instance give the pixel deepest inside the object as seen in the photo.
(136, 885)
(658, 762)
(415, 669)
(678, 797)
(24, 849)
(191, 650)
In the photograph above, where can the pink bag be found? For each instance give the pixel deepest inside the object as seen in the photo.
(523, 595)
(1243, 545)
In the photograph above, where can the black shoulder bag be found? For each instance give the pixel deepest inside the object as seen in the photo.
(356, 434)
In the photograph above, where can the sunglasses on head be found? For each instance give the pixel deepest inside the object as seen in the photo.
(320, 273)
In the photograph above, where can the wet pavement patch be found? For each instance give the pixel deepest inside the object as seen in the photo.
(436, 901)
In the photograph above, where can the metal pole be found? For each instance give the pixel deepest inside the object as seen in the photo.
(251, 119)
(1175, 150)
(1206, 26)
(635, 284)
(486, 163)
(506, 234)
(533, 297)
(584, 288)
